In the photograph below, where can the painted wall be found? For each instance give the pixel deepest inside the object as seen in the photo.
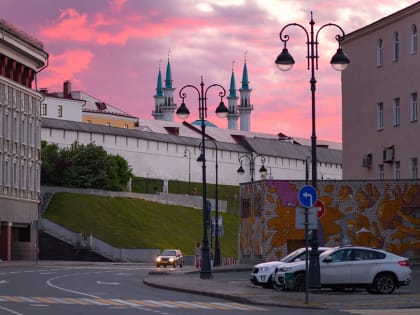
(381, 214)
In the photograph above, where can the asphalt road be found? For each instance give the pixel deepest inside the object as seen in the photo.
(115, 289)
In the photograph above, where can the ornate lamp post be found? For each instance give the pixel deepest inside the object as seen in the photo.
(339, 62)
(251, 158)
(189, 168)
(183, 113)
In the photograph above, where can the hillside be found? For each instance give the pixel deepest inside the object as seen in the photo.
(135, 223)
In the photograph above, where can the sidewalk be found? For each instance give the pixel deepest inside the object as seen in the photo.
(243, 291)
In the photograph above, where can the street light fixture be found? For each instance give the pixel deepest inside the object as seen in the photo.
(251, 158)
(339, 62)
(189, 168)
(182, 113)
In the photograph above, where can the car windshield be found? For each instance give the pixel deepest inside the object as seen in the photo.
(168, 253)
(292, 255)
(327, 252)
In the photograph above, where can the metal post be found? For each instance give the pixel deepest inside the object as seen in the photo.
(285, 62)
(183, 112)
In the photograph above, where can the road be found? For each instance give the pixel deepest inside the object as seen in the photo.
(112, 289)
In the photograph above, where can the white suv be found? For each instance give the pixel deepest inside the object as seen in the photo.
(262, 274)
(352, 267)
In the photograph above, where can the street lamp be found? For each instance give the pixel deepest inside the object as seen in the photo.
(251, 158)
(339, 62)
(189, 168)
(182, 113)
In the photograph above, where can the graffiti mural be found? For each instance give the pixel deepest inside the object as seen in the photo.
(381, 214)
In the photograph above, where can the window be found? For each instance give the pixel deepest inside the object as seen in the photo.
(413, 39)
(126, 126)
(89, 121)
(44, 109)
(414, 168)
(60, 111)
(381, 172)
(108, 124)
(396, 46)
(397, 170)
(413, 107)
(380, 114)
(396, 112)
(379, 53)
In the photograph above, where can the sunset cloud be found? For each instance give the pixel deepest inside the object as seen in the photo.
(112, 50)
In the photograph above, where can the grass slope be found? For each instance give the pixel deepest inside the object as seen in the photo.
(136, 223)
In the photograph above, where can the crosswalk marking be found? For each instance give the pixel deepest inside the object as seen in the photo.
(135, 303)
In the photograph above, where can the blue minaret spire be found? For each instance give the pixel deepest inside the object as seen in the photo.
(245, 106)
(233, 115)
(164, 100)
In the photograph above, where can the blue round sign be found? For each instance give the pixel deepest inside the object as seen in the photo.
(307, 196)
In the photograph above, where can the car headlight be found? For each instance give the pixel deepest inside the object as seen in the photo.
(171, 259)
(264, 269)
(158, 259)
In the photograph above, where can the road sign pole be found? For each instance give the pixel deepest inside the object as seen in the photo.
(306, 257)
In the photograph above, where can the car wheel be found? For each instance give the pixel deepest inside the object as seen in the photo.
(300, 282)
(164, 266)
(181, 264)
(385, 283)
(157, 266)
(276, 286)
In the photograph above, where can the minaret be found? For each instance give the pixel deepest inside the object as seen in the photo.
(245, 106)
(168, 109)
(159, 99)
(233, 115)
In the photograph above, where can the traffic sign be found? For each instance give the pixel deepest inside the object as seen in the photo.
(300, 218)
(321, 209)
(307, 196)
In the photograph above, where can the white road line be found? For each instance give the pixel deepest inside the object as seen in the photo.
(398, 311)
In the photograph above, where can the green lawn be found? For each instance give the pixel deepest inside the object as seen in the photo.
(136, 223)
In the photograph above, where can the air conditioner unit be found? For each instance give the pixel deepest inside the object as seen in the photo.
(367, 160)
(388, 155)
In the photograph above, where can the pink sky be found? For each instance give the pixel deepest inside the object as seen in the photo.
(112, 50)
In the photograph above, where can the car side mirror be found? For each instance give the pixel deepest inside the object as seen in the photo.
(328, 259)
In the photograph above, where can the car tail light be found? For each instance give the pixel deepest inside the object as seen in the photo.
(404, 263)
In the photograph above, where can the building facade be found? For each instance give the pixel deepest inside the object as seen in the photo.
(380, 92)
(80, 106)
(21, 57)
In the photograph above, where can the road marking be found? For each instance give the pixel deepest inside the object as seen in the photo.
(152, 304)
(395, 311)
(111, 283)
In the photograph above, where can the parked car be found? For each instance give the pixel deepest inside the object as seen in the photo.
(170, 257)
(262, 274)
(375, 270)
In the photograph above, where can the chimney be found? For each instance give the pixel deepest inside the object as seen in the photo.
(67, 89)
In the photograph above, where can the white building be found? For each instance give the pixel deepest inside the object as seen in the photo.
(22, 57)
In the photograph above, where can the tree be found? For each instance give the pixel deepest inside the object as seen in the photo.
(87, 166)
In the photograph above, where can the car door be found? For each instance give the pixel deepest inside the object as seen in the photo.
(335, 268)
(364, 265)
